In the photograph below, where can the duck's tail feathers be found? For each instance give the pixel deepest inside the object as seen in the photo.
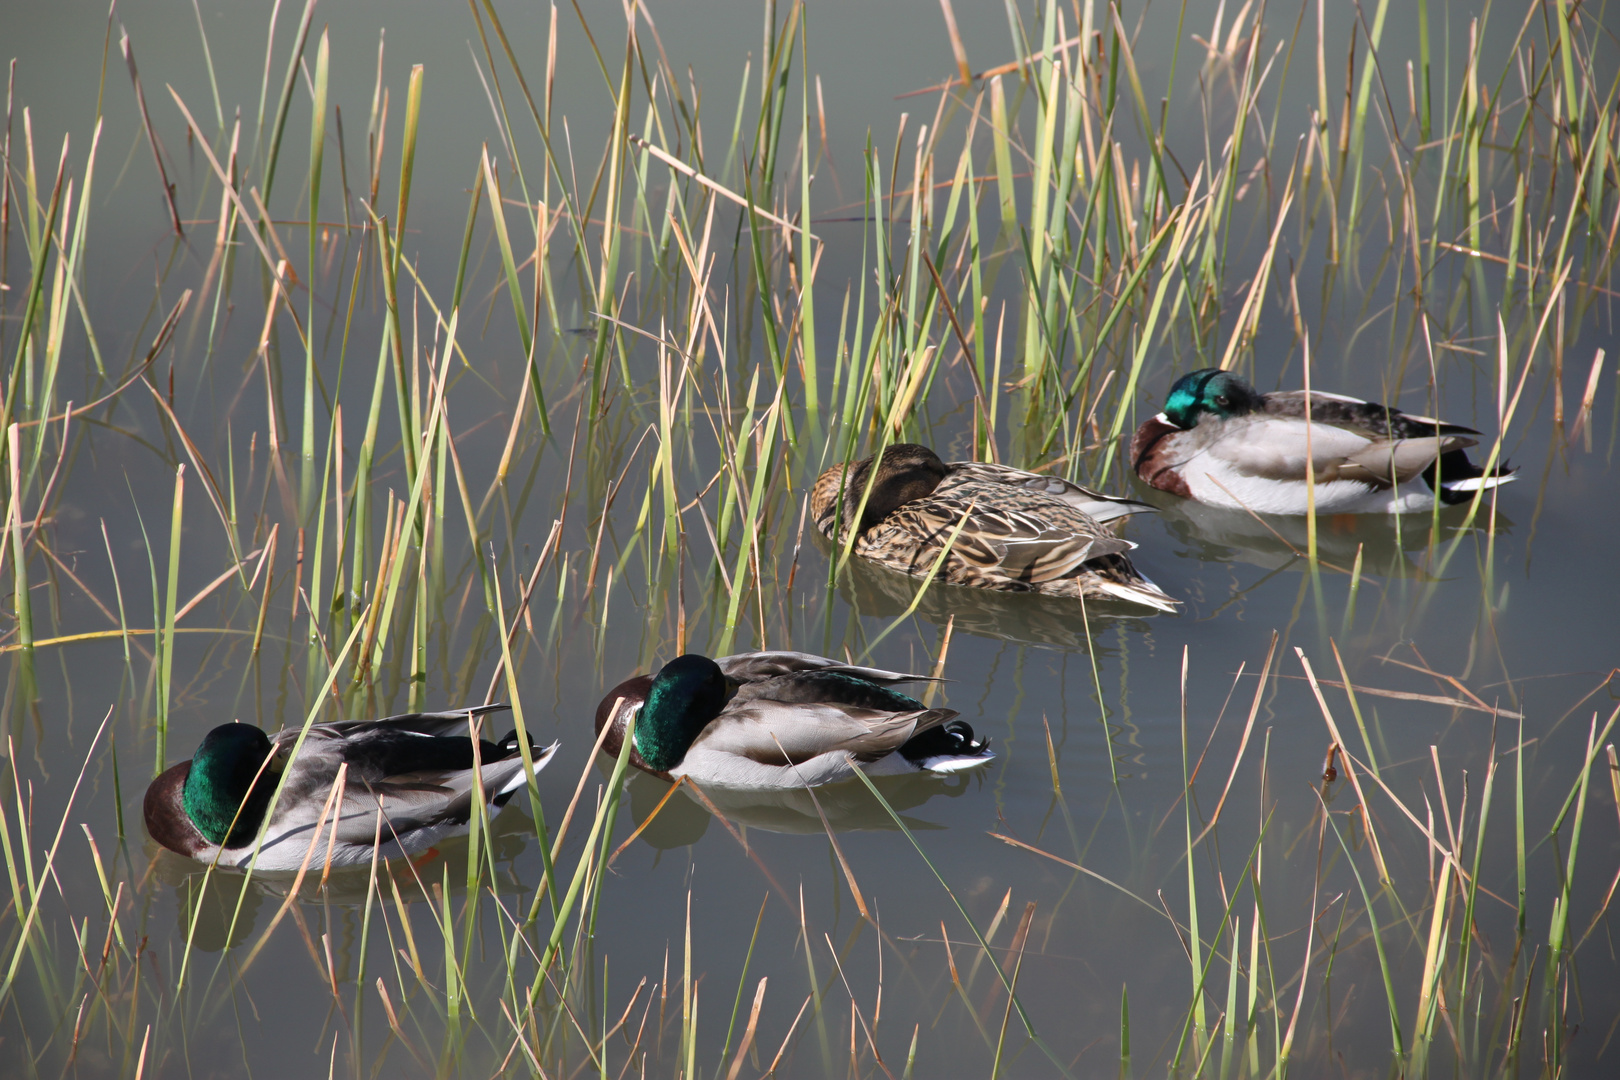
(947, 748)
(1105, 508)
(1142, 592)
(542, 758)
(1455, 479)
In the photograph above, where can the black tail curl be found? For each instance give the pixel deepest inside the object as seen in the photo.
(508, 747)
(1453, 466)
(954, 738)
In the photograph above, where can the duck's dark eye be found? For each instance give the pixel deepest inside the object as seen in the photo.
(1222, 400)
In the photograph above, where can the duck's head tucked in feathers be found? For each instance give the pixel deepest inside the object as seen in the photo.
(685, 695)
(351, 791)
(905, 473)
(779, 720)
(228, 774)
(1209, 391)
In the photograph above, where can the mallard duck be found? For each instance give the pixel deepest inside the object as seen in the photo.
(415, 772)
(1222, 442)
(1019, 531)
(780, 720)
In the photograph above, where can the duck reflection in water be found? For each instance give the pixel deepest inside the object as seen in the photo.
(849, 807)
(345, 889)
(1052, 622)
(1387, 545)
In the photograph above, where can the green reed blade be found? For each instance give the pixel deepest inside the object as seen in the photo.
(285, 104)
(165, 688)
(1398, 1045)
(317, 146)
(36, 288)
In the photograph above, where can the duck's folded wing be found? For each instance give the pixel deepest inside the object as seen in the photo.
(1401, 459)
(1278, 448)
(449, 722)
(406, 801)
(772, 734)
(1003, 542)
(1095, 504)
(1369, 417)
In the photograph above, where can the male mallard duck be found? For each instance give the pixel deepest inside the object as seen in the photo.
(1020, 531)
(781, 720)
(415, 772)
(1222, 442)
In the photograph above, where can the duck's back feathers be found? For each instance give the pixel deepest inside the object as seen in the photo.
(1365, 416)
(1013, 539)
(1099, 507)
(752, 667)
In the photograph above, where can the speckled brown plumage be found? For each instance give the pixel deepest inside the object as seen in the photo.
(1014, 531)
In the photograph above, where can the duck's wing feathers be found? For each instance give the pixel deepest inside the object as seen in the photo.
(771, 732)
(1043, 540)
(1366, 416)
(755, 666)
(1276, 447)
(1094, 504)
(417, 768)
(449, 722)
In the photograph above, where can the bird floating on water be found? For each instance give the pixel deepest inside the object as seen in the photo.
(1015, 531)
(1220, 441)
(410, 782)
(781, 720)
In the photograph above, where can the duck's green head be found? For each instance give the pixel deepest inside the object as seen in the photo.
(1210, 390)
(685, 695)
(221, 780)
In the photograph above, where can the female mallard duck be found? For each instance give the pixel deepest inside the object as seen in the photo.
(780, 720)
(1019, 531)
(1221, 442)
(410, 780)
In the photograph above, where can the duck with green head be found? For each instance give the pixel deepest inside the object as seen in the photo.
(780, 720)
(409, 779)
(1014, 531)
(1220, 441)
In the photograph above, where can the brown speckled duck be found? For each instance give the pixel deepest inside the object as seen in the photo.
(1019, 531)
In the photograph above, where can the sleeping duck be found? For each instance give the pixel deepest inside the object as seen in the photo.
(1019, 531)
(1220, 441)
(416, 772)
(781, 720)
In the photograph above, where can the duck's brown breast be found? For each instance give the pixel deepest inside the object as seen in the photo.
(165, 813)
(1150, 457)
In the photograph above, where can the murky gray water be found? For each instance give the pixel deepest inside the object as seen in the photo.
(1516, 615)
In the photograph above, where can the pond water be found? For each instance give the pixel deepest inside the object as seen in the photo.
(1259, 919)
